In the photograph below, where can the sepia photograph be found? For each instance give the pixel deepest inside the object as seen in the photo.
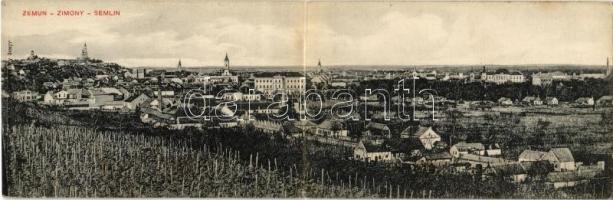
(306, 99)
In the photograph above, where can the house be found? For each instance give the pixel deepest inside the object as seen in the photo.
(136, 101)
(377, 129)
(25, 95)
(331, 128)
(156, 117)
(440, 159)
(267, 126)
(483, 161)
(49, 99)
(605, 101)
(368, 152)
(589, 101)
(155, 103)
(492, 150)
(232, 96)
(306, 126)
(76, 94)
(266, 110)
(561, 158)
(165, 93)
(338, 84)
(50, 85)
(505, 101)
(61, 94)
(466, 148)
(532, 156)
(238, 96)
(105, 97)
(126, 94)
(570, 179)
(551, 101)
(531, 100)
(515, 172)
(425, 135)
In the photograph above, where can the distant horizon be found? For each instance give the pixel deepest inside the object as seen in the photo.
(382, 66)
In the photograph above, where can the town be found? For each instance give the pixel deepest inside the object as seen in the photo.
(519, 124)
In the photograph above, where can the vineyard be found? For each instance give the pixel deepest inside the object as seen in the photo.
(66, 161)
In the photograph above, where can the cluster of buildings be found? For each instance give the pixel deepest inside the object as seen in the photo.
(553, 101)
(555, 167)
(499, 76)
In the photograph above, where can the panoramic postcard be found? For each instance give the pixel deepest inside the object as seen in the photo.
(306, 99)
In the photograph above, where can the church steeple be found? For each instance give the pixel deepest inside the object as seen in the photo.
(179, 66)
(227, 62)
(84, 54)
(608, 68)
(320, 70)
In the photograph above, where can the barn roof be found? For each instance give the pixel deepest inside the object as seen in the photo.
(375, 125)
(464, 146)
(370, 147)
(530, 155)
(415, 131)
(563, 154)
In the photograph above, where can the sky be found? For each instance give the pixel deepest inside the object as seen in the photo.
(297, 33)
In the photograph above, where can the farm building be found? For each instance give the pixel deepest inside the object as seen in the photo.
(377, 129)
(505, 101)
(515, 172)
(530, 100)
(440, 159)
(331, 128)
(551, 101)
(561, 158)
(367, 151)
(466, 148)
(426, 135)
(589, 101)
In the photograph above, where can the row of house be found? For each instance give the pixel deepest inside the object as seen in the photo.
(532, 100)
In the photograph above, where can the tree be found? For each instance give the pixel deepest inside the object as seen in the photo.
(540, 169)
(440, 146)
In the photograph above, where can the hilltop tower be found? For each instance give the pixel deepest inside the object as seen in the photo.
(84, 54)
(227, 62)
(32, 55)
(10, 50)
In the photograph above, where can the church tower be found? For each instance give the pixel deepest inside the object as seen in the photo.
(84, 55)
(320, 70)
(179, 66)
(608, 68)
(227, 62)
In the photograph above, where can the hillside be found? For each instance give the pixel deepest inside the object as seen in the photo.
(31, 74)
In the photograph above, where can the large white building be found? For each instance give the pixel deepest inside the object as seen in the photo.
(503, 76)
(549, 77)
(291, 85)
